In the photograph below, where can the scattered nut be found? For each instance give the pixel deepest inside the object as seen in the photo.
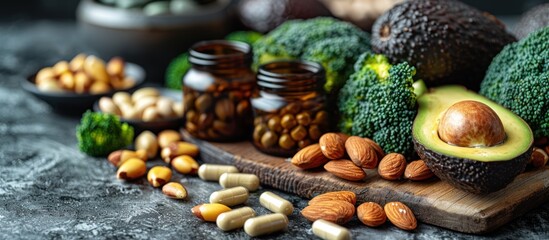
(131, 169)
(347, 196)
(147, 141)
(159, 175)
(400, 215)
(332, 145)
(168, 136)
(118, 157)
(361, 152)
(392, 166)
(417, 171)
(185, 164)
(335, 211)
(371, 214)
(209, 211)
(174, 190)
(345, 169)
(309, 157)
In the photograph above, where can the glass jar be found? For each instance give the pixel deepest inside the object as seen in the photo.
(289, 107)
(217, 91)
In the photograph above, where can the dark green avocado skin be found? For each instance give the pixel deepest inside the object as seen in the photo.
(447, 41)
(470, 175)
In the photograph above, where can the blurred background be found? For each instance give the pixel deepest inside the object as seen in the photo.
(152, 32)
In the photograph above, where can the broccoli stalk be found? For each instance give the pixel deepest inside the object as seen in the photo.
(100, 134)
(378, 101)
(518, 79)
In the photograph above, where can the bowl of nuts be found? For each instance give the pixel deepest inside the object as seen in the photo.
(148, 108)
(73, 86)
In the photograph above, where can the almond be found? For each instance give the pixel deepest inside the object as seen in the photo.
(332, 145)
(392, 166)
(371, 214)
(345, 169)
(309, 157)
(361, 152)
(335, 211)
(539, 158)
(377, 148)
(400, 215)
(417, 171)
(347, 196)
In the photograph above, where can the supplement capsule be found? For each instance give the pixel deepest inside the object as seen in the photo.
(249, 181)
(330, 231)
(276, 203)
(212, 172)
(235, 218)
(230, 196)
(265, 224)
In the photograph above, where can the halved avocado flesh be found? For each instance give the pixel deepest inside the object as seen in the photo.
(478, 169)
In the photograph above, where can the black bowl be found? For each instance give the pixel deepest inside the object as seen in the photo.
(74, 103)
(158, 125)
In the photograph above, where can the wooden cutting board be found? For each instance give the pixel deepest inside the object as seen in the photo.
(433, 202)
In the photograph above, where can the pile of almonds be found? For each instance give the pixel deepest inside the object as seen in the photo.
(346, 157)
(339, 207)
(84, 74)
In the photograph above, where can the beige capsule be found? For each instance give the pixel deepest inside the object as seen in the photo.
(330, 231)
(146, 141)
(118, 157)
(95, 68)
(174, 190)
(159, 175)
(230, 196)
(131, 169)
(276, 203)
(77, 63)
(249, 181)
(212, 172)
(266, 224)
(168, 136)
(145, 92)
(235, 218)
(106, 105)
(185, 164)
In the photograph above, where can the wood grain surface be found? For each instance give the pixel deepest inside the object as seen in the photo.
(433, 202)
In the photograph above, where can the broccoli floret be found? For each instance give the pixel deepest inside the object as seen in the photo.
(378, 101)
(176, 70)
(335, 55)
(518, 79)
(100, 134)
(249, 37)
(333, 43)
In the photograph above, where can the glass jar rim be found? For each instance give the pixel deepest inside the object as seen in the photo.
(198, 55)
(311, 68)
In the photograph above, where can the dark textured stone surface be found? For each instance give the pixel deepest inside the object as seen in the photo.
(48, 189)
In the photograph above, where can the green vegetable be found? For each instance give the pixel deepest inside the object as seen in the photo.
(333, 43)
(378, 102)
(176, 70)
(518, 79)
(100, 134)
(249, 37)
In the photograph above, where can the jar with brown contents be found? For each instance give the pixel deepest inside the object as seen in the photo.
(217, 90)
(289, 107)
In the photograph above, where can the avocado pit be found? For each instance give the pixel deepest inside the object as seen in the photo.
(471, 124)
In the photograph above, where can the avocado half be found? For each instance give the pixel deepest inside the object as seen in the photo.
(473, 169)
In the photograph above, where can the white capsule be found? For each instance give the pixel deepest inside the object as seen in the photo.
(212, 172)
(249, 181)
(266, 224)
(230, 196)
(276, 203)
(235, 218)
(330, 231)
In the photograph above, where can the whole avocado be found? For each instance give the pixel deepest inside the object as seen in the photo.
(447, 41)
(536, 18)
